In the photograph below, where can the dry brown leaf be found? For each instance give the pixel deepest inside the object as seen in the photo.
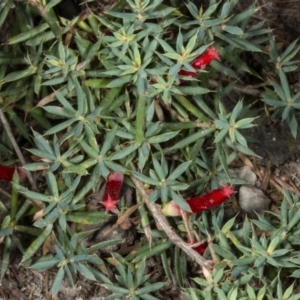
(38, 215)
(49, 244)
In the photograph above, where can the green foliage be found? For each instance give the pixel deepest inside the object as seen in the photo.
(245, 257)
(105, 94)
(230, 125)
(61, 203)
(282, 101)
(131, 278)
(10, 227)
(286, 105)
(71, 257)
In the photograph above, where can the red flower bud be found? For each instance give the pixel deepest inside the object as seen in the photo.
(200, 247)
(112, 190)
(187, 73)
(201, 62)
(200, 203)
(6, 173)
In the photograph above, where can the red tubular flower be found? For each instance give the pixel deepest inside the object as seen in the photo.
(200, 203)
(205, 59)
(201, 62)
(200, 248)
(6, 173)
(209, 200)
(112, 190)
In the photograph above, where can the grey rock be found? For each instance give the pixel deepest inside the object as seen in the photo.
(244, 173)
(252, 200)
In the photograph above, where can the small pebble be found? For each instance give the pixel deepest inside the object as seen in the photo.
(244, 173)
(253, 200)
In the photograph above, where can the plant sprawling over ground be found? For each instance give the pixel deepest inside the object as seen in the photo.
(141, 97)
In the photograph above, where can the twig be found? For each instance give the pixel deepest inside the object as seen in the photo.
(16, 147)
(186, 222)
(120, 220)
(162, 221)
